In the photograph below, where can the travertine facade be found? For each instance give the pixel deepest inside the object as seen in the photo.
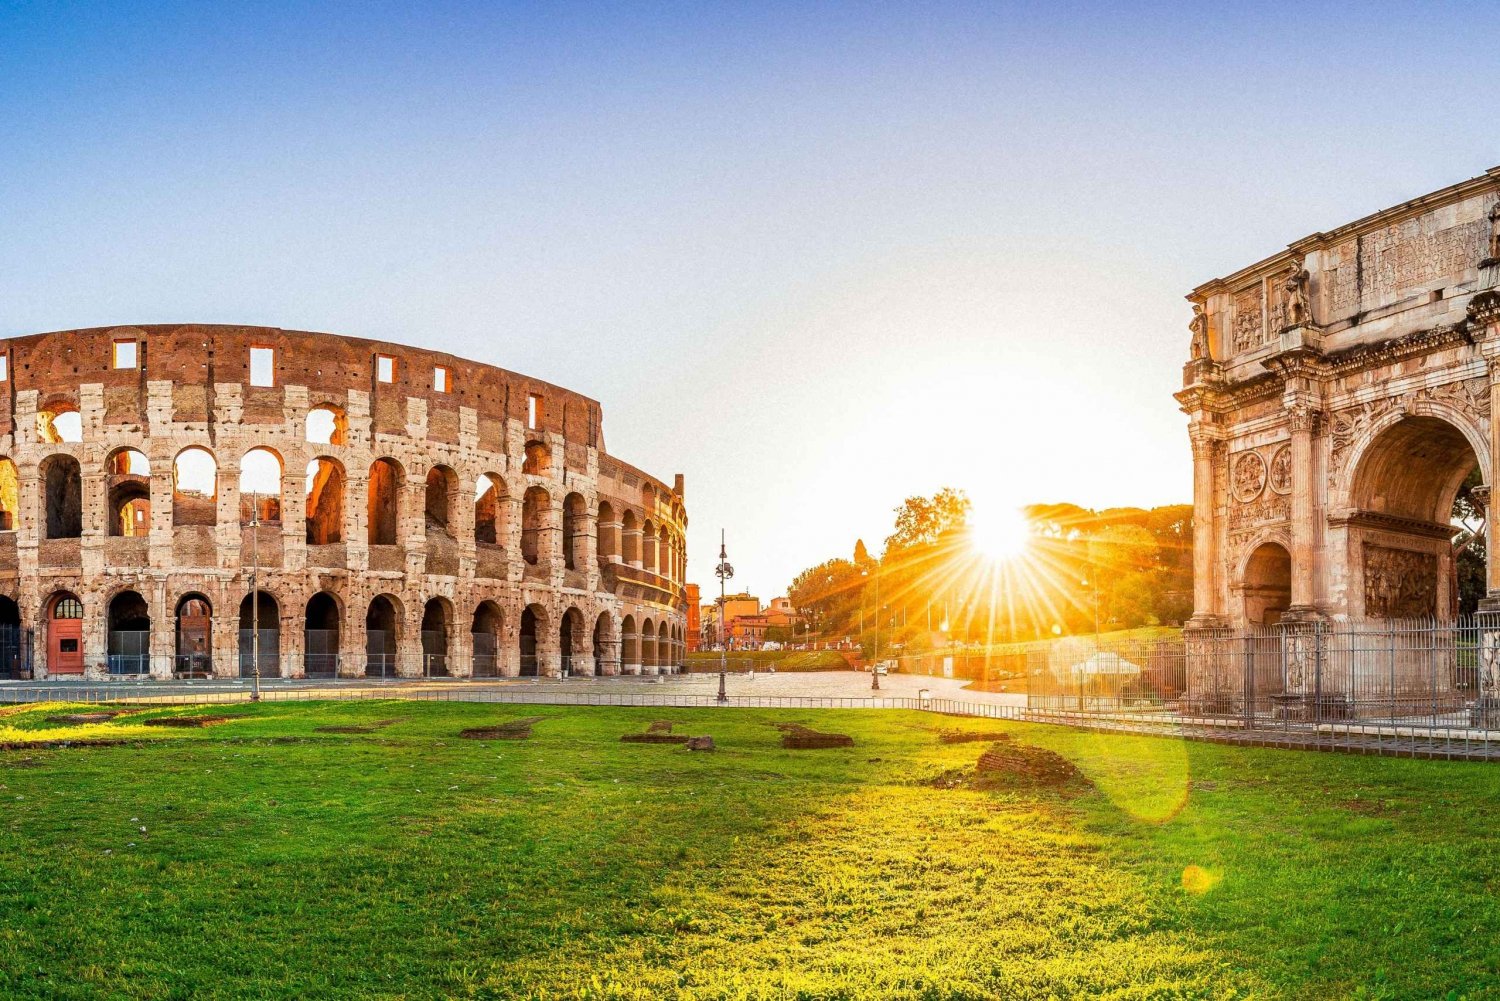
(1339, 395)
(416, 513)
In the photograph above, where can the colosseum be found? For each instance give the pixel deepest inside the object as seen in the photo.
(184, 500)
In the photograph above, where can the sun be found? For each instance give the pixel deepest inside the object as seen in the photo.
(1000, 533)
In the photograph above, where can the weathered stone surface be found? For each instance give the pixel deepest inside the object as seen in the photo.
(1339, 393)
(556, 498)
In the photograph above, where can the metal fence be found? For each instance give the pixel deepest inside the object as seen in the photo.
(129, 652)
(1404, 674)
(320, 653)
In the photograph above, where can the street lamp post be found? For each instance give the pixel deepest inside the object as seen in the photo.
(255, 597)
(724, 571)
(875, 667)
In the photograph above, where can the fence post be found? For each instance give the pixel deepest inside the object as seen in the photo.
(1486, 711)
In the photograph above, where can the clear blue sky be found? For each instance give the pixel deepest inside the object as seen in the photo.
(817, 258)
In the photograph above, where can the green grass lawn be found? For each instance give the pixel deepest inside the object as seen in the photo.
(262, 858)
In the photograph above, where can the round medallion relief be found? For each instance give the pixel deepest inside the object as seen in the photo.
(1249, 476)
(1281, 470)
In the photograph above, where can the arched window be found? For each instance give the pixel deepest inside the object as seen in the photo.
(648, 545)
(442, 498)
(62, 482)
(59, 422)
(538, 459)
(489, 510)
(326, 425)
(382, 636)
(608, 545)
(386, 478)
(10, 497)
(128, 482)
(325, 502)
(630, 535)
(195, 487)
(260, 487)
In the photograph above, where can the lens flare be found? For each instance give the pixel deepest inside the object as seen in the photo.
(1001, 534)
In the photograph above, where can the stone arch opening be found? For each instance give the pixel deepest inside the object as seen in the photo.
(1409, 503)
(58, 422)
(630, 534)
(538, 460)
(128, 487)
(260, 630)
(630, 646)
(128, 637)
(605, 644)
(386, 479)
(62, 481)
(195, 487)
(536, 511)
(442, 500)
(327, 425)
(648, 545)
(12, 652)
(484, 633)
(533, 621)
(260, 487)
(437, 620)
(489, 510)
(64, 633)
(664, 658)
(570, 639)
(1268, 584)
(648, 645)
(664, 552)
(382, 636)
(325, 502)
(608, 545)
(320, 650)
(574, 530)
(10, 496)
(194, 654)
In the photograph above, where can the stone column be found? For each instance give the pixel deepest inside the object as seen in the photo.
(1303, 420)
(1205, 585)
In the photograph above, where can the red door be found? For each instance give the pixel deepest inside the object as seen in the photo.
(65, 637)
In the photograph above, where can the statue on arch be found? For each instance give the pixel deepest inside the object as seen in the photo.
(1294, 295)
(1199, 326)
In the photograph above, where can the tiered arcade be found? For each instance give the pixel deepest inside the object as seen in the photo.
(402, 513)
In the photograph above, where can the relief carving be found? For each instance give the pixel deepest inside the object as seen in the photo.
(1249, 328)
(1263, 510)
(1399, 583)
(1470, 397)
(1349, 425)
(1281, 470)
(1249, 476)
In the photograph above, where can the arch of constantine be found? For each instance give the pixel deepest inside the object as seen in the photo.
(1340, 394)
(174, 499)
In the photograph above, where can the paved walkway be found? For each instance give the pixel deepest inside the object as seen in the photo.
(810, 685)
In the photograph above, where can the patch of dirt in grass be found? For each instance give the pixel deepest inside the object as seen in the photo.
(76, 719)
(370, 727)
(1021, 765)
(971, 736)
(654, 738)
(660, 726)
(20, 763)
(53, 745)
(516, 729)
(186, 722)
(802, 738)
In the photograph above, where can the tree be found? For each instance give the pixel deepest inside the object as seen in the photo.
(828, 596)
(923, 520)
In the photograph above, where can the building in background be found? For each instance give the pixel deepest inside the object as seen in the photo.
(694, 617)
